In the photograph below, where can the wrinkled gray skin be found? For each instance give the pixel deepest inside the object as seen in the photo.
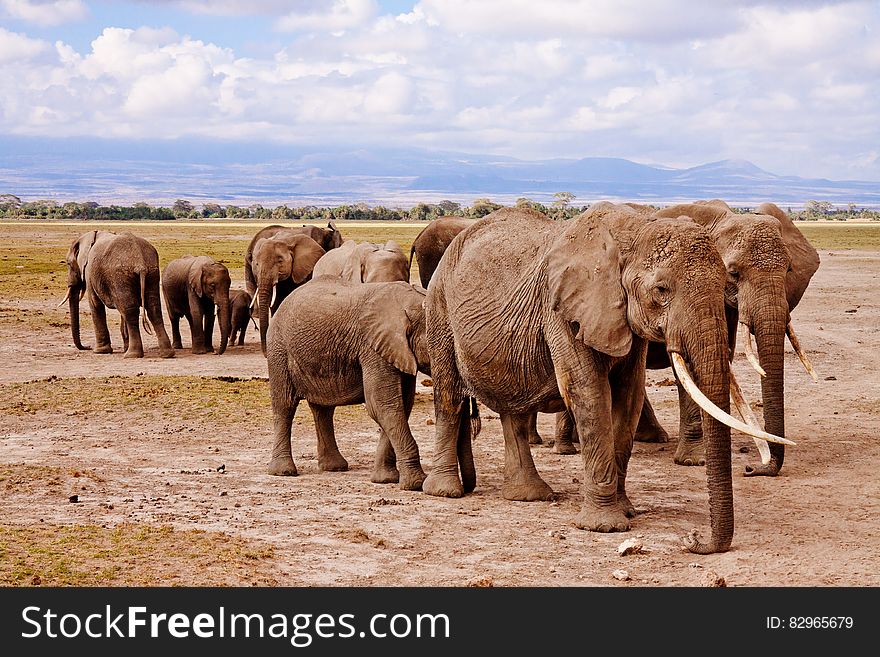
(769, 266)
(430, 244)
(329, 238)
(365, 263)
(279, 264)
(334, 343)
(241, 315)
(121, 272)
(193, 286)
(560, 316)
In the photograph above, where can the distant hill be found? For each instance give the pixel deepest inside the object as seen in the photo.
(225, 172)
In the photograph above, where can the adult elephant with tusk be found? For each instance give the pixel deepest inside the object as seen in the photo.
(121, 272)
(280, 263)
(534, 315)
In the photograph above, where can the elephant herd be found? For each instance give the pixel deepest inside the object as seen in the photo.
(524, 313)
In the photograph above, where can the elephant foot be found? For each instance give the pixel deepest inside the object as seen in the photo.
(333, 463)
(385, 475)
(761, 470)
(535, 439)
(177, 344)
(526, 489)
(134, 353)
(104, 349)
(282, 466)
(412, 479)
(628, 509)
(441, 485)
(690, 453)
(166, 353)
(652, 434)
(603, 519)
(198, 351)
(564, 447)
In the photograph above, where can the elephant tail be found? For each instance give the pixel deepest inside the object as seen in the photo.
(144, 304)
(476, 423)
(412, 251)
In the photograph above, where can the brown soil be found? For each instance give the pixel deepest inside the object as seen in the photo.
(166, 459)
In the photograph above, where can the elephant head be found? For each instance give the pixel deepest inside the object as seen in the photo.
(394, 321)
(769, 265)
(663, 280)
(287, 259)
(77, 264)
(370, 263)
(211, 279)
(332, 237)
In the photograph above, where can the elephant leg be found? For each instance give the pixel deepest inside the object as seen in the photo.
(521, 479)
(534, 436)
(444, 480)
(241, 335)
(566, 433)
(154, 314)
(385, 466)
(649, 429)
(135, 344)
(175, 331)
(284, 402)
(385, 404)
(329, 457)
(627, 400)
(208, 314)
(99, 319)
(691, 449)
(196, 329)
(123, 331)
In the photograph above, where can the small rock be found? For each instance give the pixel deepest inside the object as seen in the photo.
(620, 575)
(695, 565)
(831, 378)
(482, 582)
(555, 533)
(427, 383)
(429, 422)
(223, 493)
(73, 499)
(630, 546)
(36, 580)
(851, 310)
(221, 468)
(712, 579)
(821, 328)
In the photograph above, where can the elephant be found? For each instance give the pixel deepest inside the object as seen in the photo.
(365, 263)
(334, 342)
(769, 267)
(560, 316)
(240, 301)
(329, 238)
(192, 286)
(430, 244)
(279, 264)
(118, 271)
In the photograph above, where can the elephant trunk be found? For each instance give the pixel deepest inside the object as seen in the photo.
(224, 318)
(768, 326)
(706, 352)
(73, 305)
(264, 301)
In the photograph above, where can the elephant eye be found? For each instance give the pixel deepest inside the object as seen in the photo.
(733, 273)
(660, 292)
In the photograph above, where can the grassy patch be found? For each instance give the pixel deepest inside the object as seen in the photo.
(835, 236)
(129, 555)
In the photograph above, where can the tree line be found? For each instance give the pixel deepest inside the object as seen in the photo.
(562, 207)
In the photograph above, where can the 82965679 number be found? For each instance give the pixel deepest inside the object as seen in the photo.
(810, 623)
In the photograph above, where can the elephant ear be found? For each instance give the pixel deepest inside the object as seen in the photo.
(391, 245)
(706, 213)
(387, 325)
(804, 258)
(583, 275)
(355, 263)
(305, 253)
(80, 252)
(195, 279)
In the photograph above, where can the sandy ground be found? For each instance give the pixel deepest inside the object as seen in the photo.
(816, 524)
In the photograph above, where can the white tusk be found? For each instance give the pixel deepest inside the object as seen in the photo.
(64, 300)
(703, 402)
(789, 330)
(254, 302)
(745, 411)
(82, 293)
(274, 290)
(750, 354)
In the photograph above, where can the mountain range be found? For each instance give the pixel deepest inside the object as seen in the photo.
(203, 171)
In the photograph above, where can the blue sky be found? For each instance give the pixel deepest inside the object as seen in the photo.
(790, 85)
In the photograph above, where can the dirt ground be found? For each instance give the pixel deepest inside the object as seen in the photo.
(167, 463)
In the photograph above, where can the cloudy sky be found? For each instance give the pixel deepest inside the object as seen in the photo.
(792, 85)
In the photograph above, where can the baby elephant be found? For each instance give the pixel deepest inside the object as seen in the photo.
(192, 286)
(240, 301)
(334, 343)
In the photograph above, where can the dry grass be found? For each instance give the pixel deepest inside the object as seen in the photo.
(129, 555)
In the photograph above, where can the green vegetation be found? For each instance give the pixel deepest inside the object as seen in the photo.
(129, 555)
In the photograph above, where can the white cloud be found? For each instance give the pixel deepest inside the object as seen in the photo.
(17, 47)
(45, 12)
(329, 17)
